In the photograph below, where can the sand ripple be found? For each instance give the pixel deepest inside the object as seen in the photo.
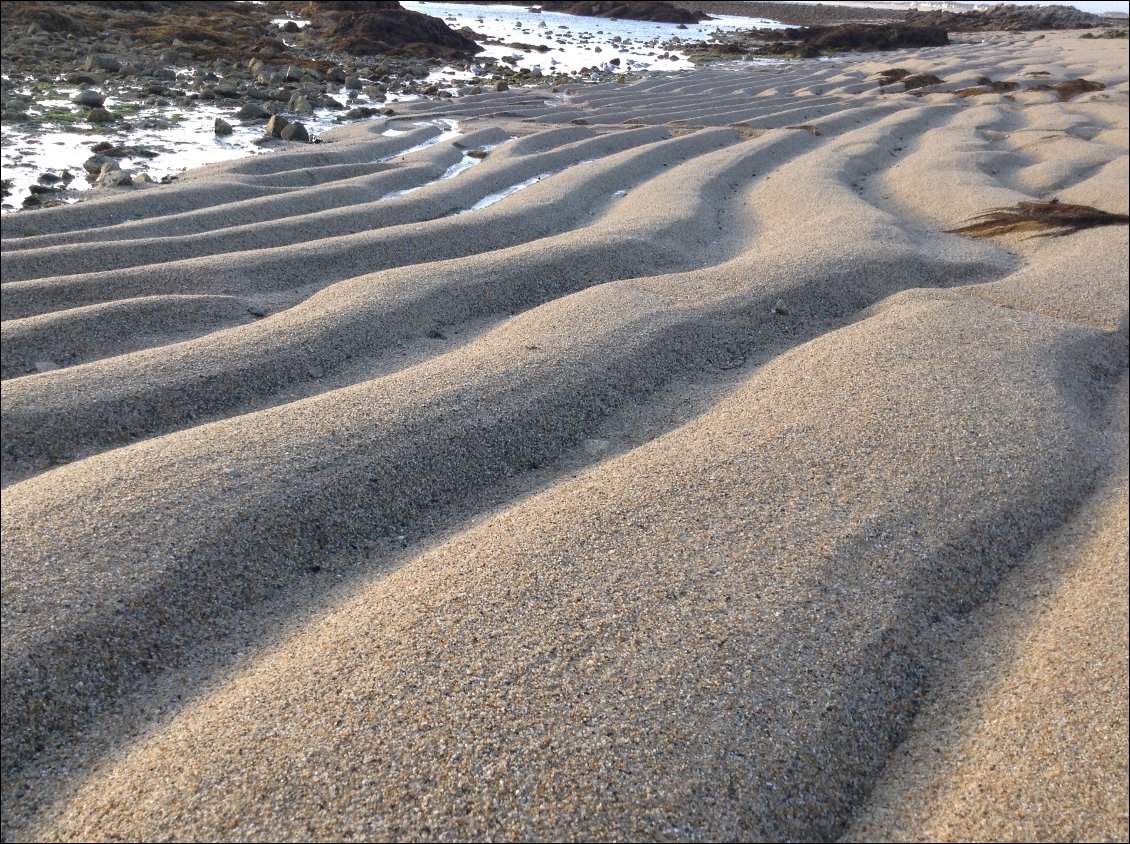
(674, 495)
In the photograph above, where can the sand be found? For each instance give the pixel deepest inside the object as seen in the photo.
(705, 488)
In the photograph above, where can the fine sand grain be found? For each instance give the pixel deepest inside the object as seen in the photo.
(671, 472)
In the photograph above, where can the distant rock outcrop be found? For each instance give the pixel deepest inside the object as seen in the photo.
(658, 12)
(1009, 17)
(371, 28)
(812, 41)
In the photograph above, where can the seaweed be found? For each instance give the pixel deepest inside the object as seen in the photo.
(1074, 87)
(921, 80)
(892, 75)
(1052, 218)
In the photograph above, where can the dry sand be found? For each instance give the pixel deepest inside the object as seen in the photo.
(706, 488)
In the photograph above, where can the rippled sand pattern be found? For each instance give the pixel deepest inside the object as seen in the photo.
(663, 470)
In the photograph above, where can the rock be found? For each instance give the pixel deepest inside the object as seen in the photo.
(811, 41)
(102, 62)
(353, 83)
(295, 132)
(276, 124)
(89, 97)
(227, 87)
(300, 105)
(289, 26)
(251, 111)
(142, 179)
(99, 115)
(780, 309)
(368, 29)
(95, 164)
(293, 74)
(115, 178)
(222, 127)
(330, 102)
(108, 149)
(501, 85)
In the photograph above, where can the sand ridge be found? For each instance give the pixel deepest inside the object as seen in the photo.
(317, 530)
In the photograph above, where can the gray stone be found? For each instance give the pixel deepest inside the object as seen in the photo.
(90, 97)
(102, 62)
(96, 163)
(295, 132)
(222, 127)
(276, 125)
(115, 178)
(300, 105)
(500, 85)
(250, 111)
(99, 115)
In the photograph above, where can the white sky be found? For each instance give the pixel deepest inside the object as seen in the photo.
(1095, 6)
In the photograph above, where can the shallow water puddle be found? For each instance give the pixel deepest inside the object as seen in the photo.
(465, 163)
(490, 200)
(554, 42)
(451, 132)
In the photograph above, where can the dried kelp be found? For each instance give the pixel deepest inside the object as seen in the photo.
(892, 75)
(921, 80)
(1044, 218)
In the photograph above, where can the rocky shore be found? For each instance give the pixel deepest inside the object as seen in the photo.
(255, 62)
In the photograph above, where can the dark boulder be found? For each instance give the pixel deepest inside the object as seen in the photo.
(88, 97)
(853, 36)
(295, 132)
(376, 28)
(276, 125)
(857, 36)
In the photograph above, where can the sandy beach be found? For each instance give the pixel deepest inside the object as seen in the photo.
(665, 469)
